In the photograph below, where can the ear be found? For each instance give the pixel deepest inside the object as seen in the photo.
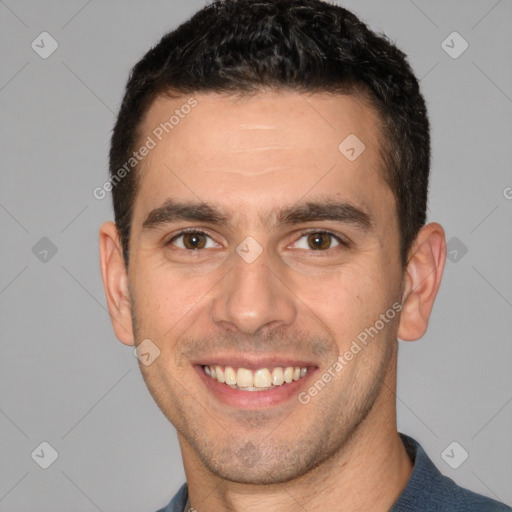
(115, 282)
(422, 281)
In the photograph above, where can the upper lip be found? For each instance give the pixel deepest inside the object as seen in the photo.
(253, 362)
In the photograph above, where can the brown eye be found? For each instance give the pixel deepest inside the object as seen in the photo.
(194, 240)
(191, 240)
(319, 241)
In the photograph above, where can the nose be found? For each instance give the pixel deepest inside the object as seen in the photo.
(253, 297)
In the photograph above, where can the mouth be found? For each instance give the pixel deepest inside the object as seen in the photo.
(253, 386)
(261, 379)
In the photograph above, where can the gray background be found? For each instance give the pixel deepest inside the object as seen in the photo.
(64, 377)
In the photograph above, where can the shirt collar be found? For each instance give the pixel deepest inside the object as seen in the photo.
(422, 481)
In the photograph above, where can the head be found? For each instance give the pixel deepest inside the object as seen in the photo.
(293, 143)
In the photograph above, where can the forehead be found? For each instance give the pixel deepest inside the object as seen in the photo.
(259, 150)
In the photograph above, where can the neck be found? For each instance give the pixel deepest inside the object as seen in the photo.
(368, 473)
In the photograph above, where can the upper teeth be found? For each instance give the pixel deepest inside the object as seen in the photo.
(262, 378)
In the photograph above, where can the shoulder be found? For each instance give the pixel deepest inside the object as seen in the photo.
(428, 490)
(449, 496)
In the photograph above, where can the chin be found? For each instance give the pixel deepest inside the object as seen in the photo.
(261, 475)
(258, 465)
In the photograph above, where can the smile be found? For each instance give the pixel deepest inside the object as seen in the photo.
(261, 379)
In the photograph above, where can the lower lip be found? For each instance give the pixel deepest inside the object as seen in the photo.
(253, 399)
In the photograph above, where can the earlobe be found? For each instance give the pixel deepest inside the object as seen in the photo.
(115, 282)
(422, 281)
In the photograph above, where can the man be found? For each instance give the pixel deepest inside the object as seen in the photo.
(269, 171)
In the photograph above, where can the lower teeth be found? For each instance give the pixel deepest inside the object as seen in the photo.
(233, 386)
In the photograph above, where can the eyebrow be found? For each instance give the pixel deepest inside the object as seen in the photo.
(310, 211)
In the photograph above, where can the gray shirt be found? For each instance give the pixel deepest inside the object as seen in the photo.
(427, 490)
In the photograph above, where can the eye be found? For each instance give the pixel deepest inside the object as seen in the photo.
(191, 240)
(318, 241)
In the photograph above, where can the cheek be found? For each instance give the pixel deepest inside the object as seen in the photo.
(168, 300)
(340, 294)
(345, 302)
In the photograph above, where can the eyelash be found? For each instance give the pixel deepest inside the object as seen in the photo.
(184, 231)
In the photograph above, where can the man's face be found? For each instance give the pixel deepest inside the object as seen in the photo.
(263, 285)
